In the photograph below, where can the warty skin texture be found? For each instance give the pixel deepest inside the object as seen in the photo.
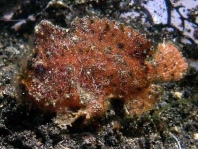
(76, 72)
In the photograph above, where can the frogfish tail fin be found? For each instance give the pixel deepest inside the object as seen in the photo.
(169, 63)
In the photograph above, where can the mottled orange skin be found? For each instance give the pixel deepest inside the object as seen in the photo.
(75, 72)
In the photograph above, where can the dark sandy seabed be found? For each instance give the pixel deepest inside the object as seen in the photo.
(172, 124)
